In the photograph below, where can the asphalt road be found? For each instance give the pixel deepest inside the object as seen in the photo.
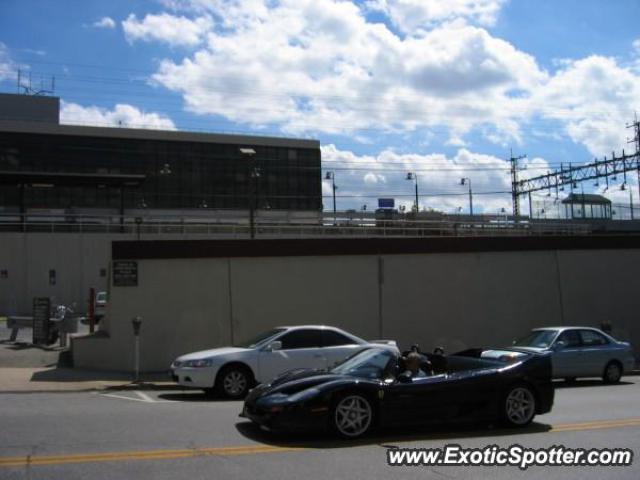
(174, 435)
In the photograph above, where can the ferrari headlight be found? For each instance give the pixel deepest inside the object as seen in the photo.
(304, 395)
(203, 362)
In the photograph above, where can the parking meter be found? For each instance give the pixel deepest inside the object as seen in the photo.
(137, 324)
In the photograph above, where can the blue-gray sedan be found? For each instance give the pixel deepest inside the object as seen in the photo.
(581, 352)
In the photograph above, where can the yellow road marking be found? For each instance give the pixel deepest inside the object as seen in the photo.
(141, 455)
(24, 461)
(569, 427)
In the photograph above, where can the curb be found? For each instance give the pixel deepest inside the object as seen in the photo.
(107, 388)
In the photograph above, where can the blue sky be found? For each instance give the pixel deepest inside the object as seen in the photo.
(444, 88)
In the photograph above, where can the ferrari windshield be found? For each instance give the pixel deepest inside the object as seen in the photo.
(370, 363)
(537, 339)
(257, 340)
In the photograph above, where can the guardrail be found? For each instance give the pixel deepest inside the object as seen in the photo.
(158, 226)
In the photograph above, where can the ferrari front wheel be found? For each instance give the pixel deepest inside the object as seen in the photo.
(352, 416)
(519, 406)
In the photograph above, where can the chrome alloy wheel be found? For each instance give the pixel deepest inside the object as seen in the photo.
(520, 406)
(353, 416)
(234, 383)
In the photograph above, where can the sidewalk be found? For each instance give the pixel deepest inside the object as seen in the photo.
(25, 367)
(25, 380)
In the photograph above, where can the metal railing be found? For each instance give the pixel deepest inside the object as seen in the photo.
(144, 227)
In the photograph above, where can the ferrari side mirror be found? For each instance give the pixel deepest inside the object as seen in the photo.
(405, 378)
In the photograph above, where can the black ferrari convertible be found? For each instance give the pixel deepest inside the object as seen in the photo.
(371, 389)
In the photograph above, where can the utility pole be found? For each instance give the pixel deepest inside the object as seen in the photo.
(515, 199)
(414, 176)
(467, 181)
(332, 176)
(252, 175)
(636, 139)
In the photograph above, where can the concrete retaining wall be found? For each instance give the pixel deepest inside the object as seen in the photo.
(451, 299)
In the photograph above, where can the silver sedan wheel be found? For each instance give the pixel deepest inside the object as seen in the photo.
(234, 383)
(520, 406)
(353, 416)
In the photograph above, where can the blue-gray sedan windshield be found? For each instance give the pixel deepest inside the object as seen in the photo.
(255, 341)
(368, 364)
(537, 339)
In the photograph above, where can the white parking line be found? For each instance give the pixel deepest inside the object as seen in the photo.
(141, 397)
(144, 396)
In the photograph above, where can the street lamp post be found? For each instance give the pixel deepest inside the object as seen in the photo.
(414, 176)
(250, 153)
(332, 176)
(467, 181)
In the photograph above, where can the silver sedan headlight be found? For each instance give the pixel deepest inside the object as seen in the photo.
(200, 363)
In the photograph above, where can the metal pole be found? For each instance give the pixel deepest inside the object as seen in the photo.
(417, 196)
(121, 209)
(136, 377)
(92, 310)
(470, 199)
(137, 324)
(530, 208)
(252, 233)
(252, 180)
(22, 209)
(333, 186)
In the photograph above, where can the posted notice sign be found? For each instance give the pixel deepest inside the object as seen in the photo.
(41, 313)
(125, 273)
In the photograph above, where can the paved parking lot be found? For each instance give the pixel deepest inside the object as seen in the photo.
(169, 434)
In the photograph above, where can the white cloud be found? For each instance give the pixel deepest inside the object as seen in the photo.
(171, 29)
(319, 66)
(594, 98)
(122, 115)
(105, 22)
(438, 178)
(411, 15)
(8, 67)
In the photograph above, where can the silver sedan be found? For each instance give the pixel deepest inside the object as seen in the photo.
(581, 352)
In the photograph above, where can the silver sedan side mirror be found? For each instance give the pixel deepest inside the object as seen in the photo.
(273, 346)
(559, 345)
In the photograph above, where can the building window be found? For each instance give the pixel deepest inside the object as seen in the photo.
(103, 272)
(52, 277)
(4, 274)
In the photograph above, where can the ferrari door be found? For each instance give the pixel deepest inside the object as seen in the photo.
(422, 400)
(460, 394)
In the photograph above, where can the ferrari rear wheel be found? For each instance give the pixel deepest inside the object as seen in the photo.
(519, 406)
(352, 416)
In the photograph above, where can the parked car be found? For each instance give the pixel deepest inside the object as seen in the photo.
(370, 389)
(232, 371)
(581, 352)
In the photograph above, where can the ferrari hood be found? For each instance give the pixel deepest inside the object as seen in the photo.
(295, 381)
